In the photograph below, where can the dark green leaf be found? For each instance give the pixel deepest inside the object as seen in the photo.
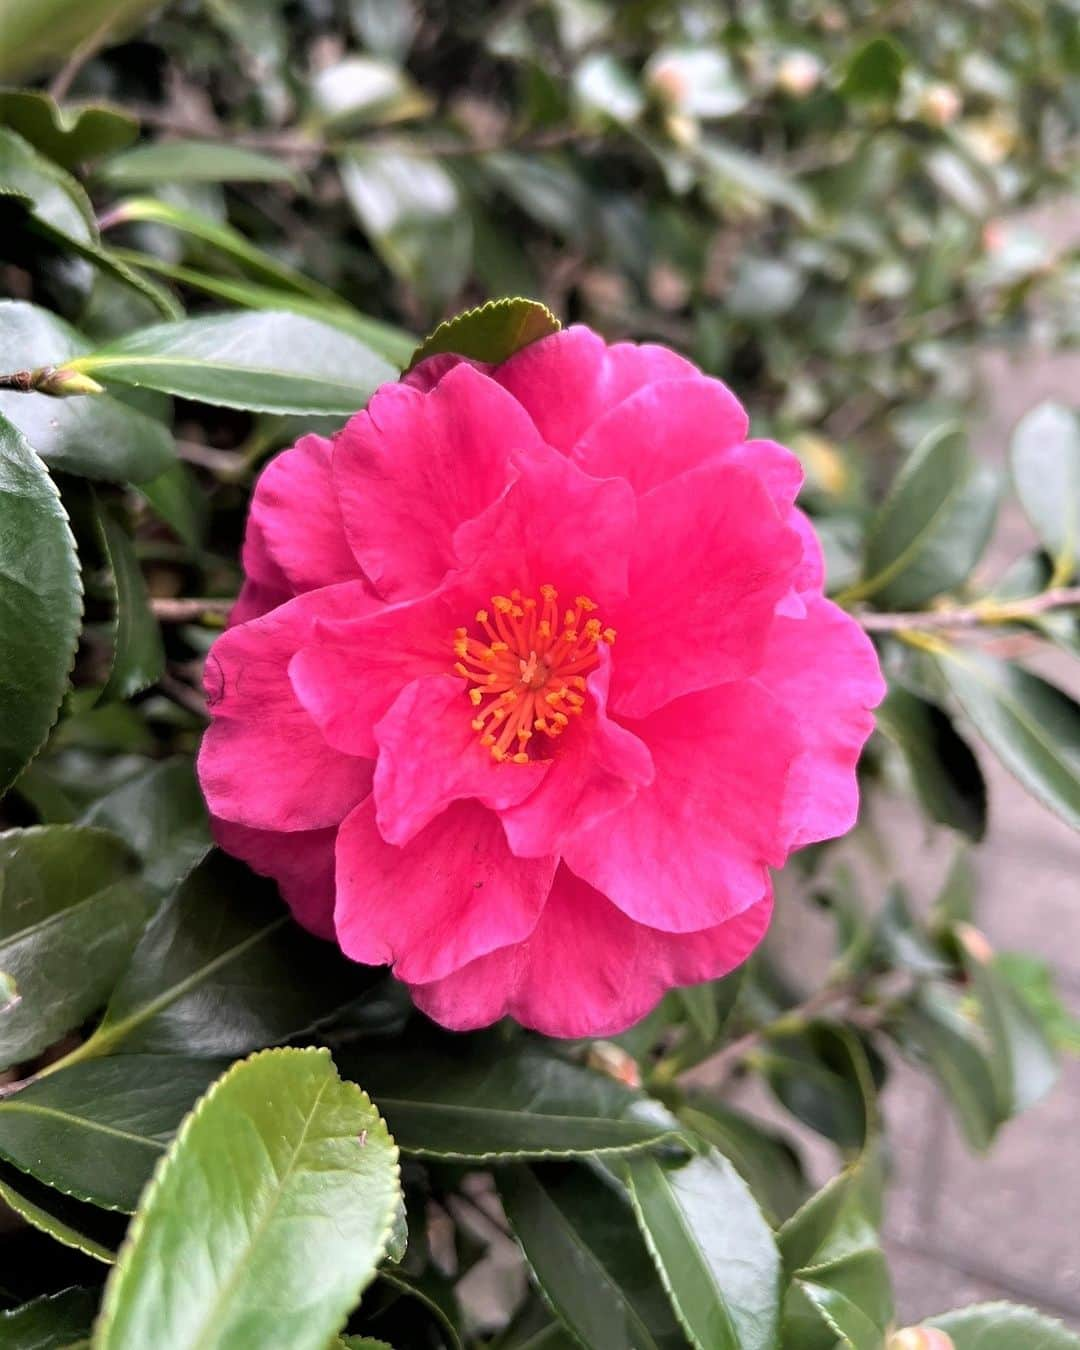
(160, 815)
(902, 942)
(138, 651)
(273, 362)
(1032, 726)
(1045, 458)
(579, 1239)
(222, 970)
(1004, 1326)
(51, 1322)
(874, 71)
(73, 1223)
(67, 135)
(298, 1185)
(177, 498)
(192, 162)
(933, 526)
(948, 1043)
(95, 1131)
(71, 908)
(765, 1160)
(98, 437)
(822, 1076)
(37, 37)
(712, 1247)
(432, 1292)
(483, 1101)
(40, 603)
(492, 332)
(944, 772)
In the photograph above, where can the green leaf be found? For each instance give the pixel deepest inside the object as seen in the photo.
(51, 1322)
(1045, 461)
(67, 135)
(944, 771)
(71, 908)
(1033, 981)
(362, 91)
(712, 1247)
(271, 362)
(433, 1292)
(932, 527)
(731, 177)
(579, 1239)
(1004, 1326)
(37, 36)
(485, 1101)
(73, 1223)
(874, 71)
(184, 161)
(98, 437)
(138, 657)
(821, 1075)
(491, 332)
(177, 498)
(765, 1160)
(160, 814)
(40, 603)
(298, 1184)
(95, 1131)
(9, 992)
(1033, 727)
(844, 1318)
(222, 969)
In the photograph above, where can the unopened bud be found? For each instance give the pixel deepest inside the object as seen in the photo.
(61, 382)
(975, 943)
(921, 1338)
(608, 1058)
(798, 74)
(668, 84)
(940, 104)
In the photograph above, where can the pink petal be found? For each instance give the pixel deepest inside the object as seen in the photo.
(567, 381)
(824, 670)
(430, 756)
(429, 372)
(596, 767)
(691, 850)
(414, 465)
(295, 514)
(586, 969)
(300, 861)
(255, 600)
(263, 762)
(662, 430)
(454, 893)
(711, 560)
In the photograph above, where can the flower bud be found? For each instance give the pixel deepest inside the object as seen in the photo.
(940, 104)
(611, 1059)
(921, 1338)
(975, 943)
(798, 74)
(64, 383)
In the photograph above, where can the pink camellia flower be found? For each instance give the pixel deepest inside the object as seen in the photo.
(532, 681)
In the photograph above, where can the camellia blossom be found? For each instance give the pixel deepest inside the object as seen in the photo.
(532, 681)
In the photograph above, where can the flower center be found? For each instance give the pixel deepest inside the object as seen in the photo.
(529, 675)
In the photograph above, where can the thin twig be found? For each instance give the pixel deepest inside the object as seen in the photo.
(973, 616)
(172, 610)
(65, 76)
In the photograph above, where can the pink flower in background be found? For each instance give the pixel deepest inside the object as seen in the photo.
(532, 681)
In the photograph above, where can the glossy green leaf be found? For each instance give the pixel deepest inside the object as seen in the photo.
(51, 1322)
(903, 942)
(187, 161)
(485, 1101)
(944, 771)
(73, 1223)
(298, 1185)
(222, 969)
(161, 816)
(1032, 726)
(69, 134)
(138, 651)
(71, 908)
(842, 1317)
(949, 1045)
(1004, 1326)
(764, 1159)
(97, 437)
(1045, 460)
(38, 37)
(176, 497)
(9, 992)
(579, 1239)
(874, 71)
(40, 603)
(96, 1130)
(432, 1292)
(273, 362)
(362, 91)
(712, 1248)
(821, 1076)
(491, 332)
(932, 527)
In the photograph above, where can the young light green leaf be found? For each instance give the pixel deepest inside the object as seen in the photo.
(1004, 1326)
(37, 37)
(491, 332)
(273, 362)
(138, 651)
(712, 1248)
(97, 437)
(51, 1322)
(187, 161)
(1032, 726)
(40, 603)
(1045, 460)
(932, 527)
(487, 1102)
(579, 1239)
(95, 1131)
(71, 908)
(298, 1184)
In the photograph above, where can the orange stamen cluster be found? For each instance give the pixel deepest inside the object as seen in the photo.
(529, 675)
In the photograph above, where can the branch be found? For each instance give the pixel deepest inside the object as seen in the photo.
(987, 612)
(171, 610)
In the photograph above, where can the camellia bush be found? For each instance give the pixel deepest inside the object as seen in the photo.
(413, 696)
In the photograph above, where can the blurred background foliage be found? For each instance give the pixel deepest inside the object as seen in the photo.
(239, 217)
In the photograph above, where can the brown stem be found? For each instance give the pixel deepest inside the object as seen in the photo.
(65, 76)
(171, 610)
(973, 616)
